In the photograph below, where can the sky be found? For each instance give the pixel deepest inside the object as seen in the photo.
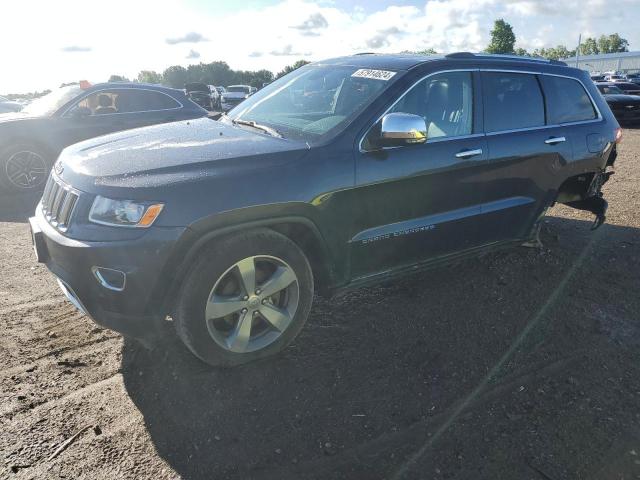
(44, 43)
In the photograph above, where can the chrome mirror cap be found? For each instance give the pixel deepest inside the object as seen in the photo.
(402, 128)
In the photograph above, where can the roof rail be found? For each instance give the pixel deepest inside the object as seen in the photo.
(504, 57)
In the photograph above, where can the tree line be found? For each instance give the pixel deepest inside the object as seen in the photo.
(503, 41)
(214, 73)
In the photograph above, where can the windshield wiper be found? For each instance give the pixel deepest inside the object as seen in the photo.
(271, 131)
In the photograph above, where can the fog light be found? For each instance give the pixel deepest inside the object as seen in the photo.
(110, 278)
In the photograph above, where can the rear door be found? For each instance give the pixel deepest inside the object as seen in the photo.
(421, 202)
(569, 104)
(525, 155)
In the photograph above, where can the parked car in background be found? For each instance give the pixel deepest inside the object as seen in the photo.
(8, 106)
(626, 108)
(200, 94)
(348, 172)
(633, 77)
(32, 139)
(597, 78)
(629, 88)
(614, 77)
(234, 95)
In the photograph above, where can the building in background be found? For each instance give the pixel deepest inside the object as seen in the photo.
(625, 62)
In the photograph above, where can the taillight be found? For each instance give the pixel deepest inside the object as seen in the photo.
(618, 135)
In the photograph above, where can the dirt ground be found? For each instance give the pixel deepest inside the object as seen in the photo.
(523, 364)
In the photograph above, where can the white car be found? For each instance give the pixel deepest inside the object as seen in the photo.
(234, 95)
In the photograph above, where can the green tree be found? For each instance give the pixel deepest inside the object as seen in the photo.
(612, 44)
(589, 46)
(117, 78)
(175, 76)
(502, 38)
(521, 52)
(291, 68)
(552, 53)
(149, 76)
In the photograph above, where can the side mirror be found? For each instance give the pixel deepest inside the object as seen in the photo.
(402, 129)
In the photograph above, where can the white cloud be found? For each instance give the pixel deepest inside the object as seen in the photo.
(151, 35)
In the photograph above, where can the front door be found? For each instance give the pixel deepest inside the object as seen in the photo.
(420, 202)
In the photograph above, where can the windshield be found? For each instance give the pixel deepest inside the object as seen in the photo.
(238, 89)
(50, 103)
(314, 101)
(2, 99)
(609, 90)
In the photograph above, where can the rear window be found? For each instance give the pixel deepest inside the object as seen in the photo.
(567, 100)
(511, 101)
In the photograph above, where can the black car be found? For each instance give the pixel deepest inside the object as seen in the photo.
(633, 77)
(342, 173)
(628, 88)
(32, 139)
(626, 108)
(200, 94)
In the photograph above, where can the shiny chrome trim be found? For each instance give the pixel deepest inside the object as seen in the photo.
(499, 132)
(96, 273)
(554, 140)
(72, 297)
(64, 114)
(469, 153)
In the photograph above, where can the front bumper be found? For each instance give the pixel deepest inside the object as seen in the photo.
(133, 311)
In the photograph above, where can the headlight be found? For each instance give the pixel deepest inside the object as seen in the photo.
(124, 213)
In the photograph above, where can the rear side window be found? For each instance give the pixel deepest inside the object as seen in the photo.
(511, 101)
(567, 101)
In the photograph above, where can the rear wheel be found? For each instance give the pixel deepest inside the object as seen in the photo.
(24, 168)
(246, 298)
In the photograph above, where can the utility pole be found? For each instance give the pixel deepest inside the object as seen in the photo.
(578, 49)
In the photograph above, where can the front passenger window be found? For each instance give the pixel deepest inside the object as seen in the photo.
(445, 101)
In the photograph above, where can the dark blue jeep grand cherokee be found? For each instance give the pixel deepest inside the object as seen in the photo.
(342, 173)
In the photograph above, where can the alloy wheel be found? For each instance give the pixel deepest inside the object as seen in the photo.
(26, 169)
(252, 304)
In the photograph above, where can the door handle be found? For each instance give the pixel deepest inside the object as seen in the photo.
(554, 140)
(469, 153)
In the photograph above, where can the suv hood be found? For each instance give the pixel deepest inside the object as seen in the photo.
(171, 153)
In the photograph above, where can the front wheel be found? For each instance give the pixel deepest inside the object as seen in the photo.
(246, 298)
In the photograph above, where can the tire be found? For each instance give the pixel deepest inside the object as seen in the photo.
(24, 168)
(215, 285)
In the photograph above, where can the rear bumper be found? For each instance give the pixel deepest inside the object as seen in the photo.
(131, 311)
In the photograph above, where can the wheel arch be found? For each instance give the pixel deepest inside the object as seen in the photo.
(300, 229)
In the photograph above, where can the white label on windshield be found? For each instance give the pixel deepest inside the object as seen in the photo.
(374, 74)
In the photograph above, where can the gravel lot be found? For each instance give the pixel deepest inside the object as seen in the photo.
(522, 365)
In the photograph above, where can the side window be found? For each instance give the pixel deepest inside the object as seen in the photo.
(99, 103)
(445, 101)
(511, 101)
(123, 101)
(566, 100)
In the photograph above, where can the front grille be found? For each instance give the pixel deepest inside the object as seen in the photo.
(58, 203)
